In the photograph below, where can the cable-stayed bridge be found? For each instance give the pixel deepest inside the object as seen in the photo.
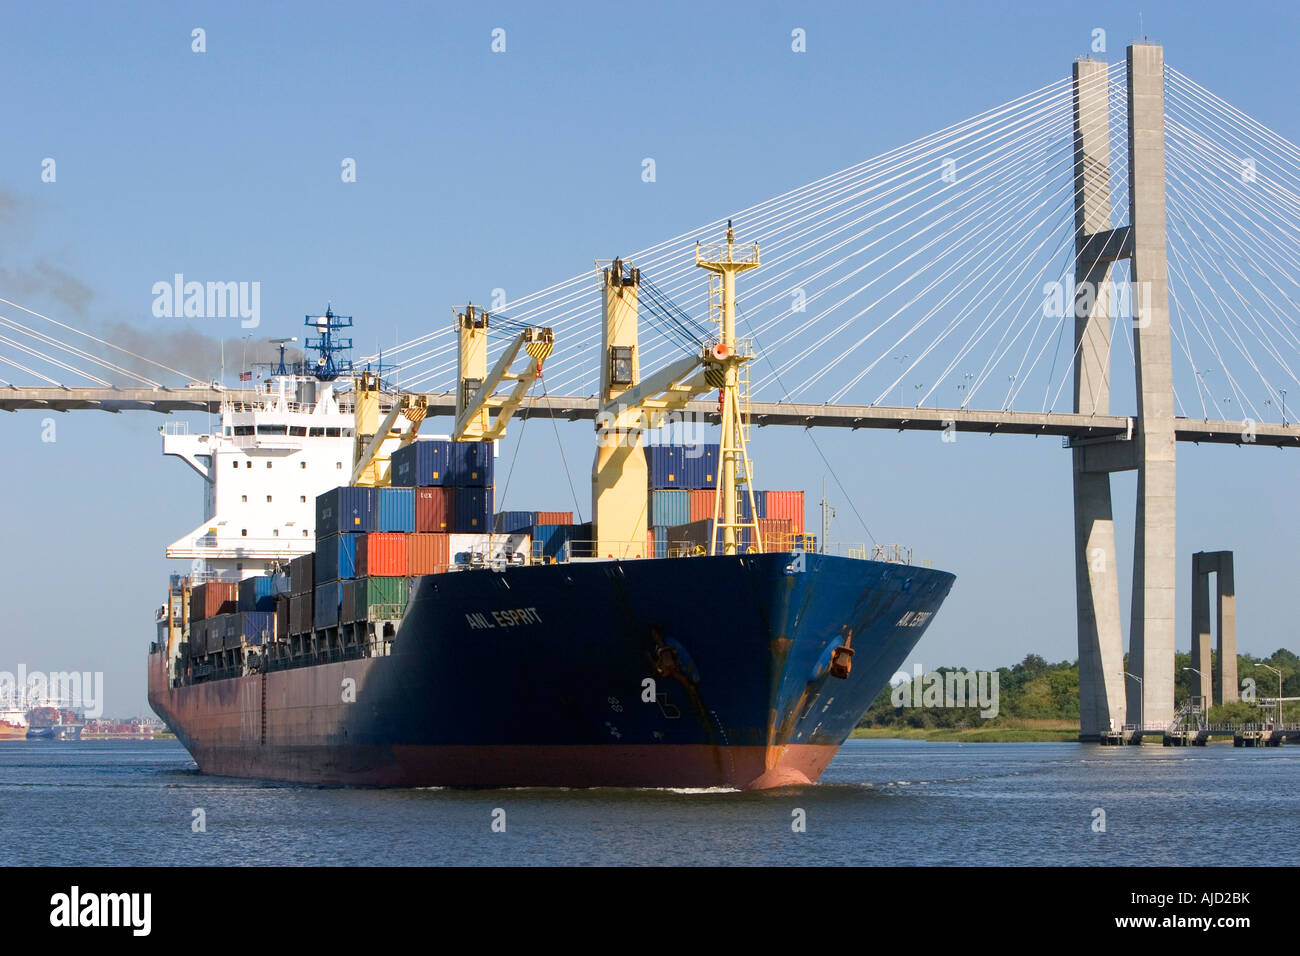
(987, 278)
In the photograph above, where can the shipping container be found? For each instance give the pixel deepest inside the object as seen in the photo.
(472, 464)
(197, 638)
(682, 466)
(302, 574)
(427, 554)
(468, 550)
(282, 616)
(348, 602)
(550, 540)
(258, 593)
(336, 557)
(381, 554)
(701, 505)
(670, 507)
(213, 598)
(445, 463)
(326, 606)
(777, 534)
(697, 535)
(554, 517)
(395, 509)
(346, 509)
(433, 509)
(256, 627)
(302, 609)
(471, 510)
(785, 504)
(382, 598)
(506, 522)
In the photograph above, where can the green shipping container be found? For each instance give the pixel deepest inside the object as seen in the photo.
(384, 599)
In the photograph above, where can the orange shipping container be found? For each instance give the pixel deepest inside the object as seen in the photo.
(213, 598)
(554, 517)
(786, 504)
(382, 555)
(777, 533)
(427, 553)
(433, 509)
(701, 504)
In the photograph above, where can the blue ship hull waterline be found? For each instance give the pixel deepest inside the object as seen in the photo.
(676, 672)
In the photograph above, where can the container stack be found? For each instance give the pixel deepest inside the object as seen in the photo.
(225, 615)
(683, 488)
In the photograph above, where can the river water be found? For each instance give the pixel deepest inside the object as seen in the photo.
(880, 802)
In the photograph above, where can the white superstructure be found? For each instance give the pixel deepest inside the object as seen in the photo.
(262, 472)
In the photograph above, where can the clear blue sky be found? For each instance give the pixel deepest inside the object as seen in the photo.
(478, 170)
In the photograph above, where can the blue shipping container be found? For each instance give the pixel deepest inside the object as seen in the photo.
(345, 509)
(508, 522)
(258, 593)
(257, 627)
(551, 540)
(760, 502)
(395, 509)
(472, 464)
(336, 557)
(327, 604)
(669, 507)
(439, 463)
(661, 541)
(471, 510)
(689, 467)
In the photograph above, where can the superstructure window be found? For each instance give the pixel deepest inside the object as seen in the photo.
(333, 432)
(302, 499)
(273, 429)
(338, 464)
(268, 499)
(317, 432)
(298, 430)
(243, 532)
(302, 464)
(268, 464)
(243, 429)
(248, 464)
(234, 464)
(243, 497)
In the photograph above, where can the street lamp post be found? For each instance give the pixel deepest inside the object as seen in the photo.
(1142, 702)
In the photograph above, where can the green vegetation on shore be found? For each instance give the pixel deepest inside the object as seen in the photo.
(1039, 702)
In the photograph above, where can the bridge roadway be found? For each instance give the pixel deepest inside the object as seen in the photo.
(1077, 428)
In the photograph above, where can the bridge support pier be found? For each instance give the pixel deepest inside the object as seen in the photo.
(1101, 642)
(1218, 563)
(1151, 450)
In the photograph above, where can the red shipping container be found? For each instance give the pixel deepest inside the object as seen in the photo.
(427, 553)
(554, 517)
(382, 555)
(701, 504)
(787, 504)
(777, 534)
(213, 598)
(433, 509)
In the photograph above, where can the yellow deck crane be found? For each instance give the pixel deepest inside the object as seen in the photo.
(631, 405)
(481, 415)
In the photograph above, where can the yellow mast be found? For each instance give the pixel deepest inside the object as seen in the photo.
(735, 468)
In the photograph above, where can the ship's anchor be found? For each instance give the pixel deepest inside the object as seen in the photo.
(842, 656)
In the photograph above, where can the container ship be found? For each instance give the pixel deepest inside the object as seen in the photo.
(359, 613)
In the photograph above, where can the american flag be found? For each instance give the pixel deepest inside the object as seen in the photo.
(245, 376)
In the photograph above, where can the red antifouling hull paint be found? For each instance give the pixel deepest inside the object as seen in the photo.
(427, 553)
(433, 510)
(382, 555)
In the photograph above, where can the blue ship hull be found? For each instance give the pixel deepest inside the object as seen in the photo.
(681, 672)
